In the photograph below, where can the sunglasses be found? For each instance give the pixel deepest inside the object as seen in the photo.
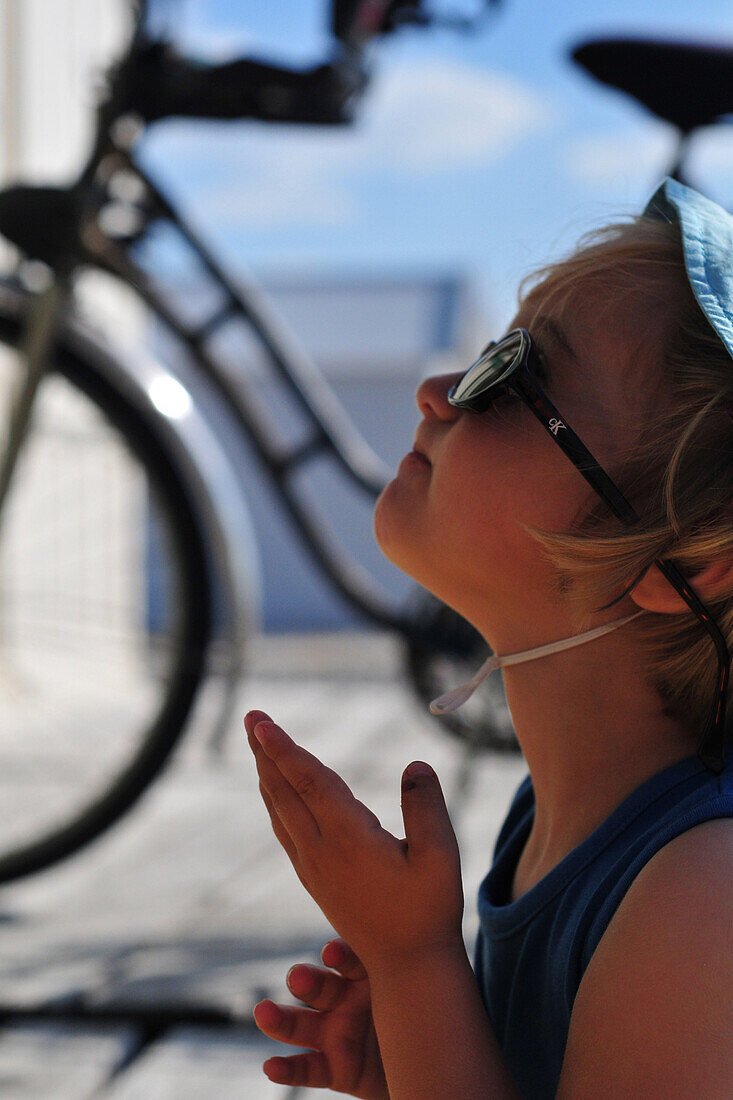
(513, 364)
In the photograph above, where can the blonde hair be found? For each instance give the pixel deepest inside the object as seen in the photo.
(678, 476)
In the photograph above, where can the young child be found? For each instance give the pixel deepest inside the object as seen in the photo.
(579, 475)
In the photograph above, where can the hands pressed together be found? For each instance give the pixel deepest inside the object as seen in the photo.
(391, 900)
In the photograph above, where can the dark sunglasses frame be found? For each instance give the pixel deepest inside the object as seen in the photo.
(518, 375)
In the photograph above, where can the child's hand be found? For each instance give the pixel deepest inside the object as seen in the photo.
(337, 1027)
(390, 899)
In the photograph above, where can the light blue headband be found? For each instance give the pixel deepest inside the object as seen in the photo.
(707, 241)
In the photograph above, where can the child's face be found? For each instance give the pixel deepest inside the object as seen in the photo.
(456, 523)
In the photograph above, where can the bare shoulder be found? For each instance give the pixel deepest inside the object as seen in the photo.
(700, 859)
(654, 1011)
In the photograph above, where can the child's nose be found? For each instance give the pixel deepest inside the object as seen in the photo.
(432, 396)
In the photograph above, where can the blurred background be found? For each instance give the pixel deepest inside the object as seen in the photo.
(394, 246)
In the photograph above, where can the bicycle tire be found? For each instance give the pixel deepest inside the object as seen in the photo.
(185, 665)
(456, 651)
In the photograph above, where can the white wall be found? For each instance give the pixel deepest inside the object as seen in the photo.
(51, 54)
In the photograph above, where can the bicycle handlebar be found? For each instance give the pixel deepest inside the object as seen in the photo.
(155, 82)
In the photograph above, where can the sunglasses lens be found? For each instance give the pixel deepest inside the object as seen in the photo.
(476, 389)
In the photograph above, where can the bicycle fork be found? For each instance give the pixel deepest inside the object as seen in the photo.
(35, 348)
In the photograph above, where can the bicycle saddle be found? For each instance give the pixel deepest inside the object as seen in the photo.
(42, 221)
(686, 84)
(156, 82)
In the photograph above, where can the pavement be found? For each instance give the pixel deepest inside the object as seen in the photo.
(129, 972)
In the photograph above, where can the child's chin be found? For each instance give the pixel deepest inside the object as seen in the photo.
(381, 525)
(395, 534)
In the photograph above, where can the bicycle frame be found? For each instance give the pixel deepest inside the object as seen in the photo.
(62, 228)
(332, 430)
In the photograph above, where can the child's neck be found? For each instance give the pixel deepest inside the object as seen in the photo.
(592, 730)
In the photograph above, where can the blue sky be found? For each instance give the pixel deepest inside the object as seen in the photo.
(487, 154)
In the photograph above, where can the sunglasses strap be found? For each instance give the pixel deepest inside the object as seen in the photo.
(452, 700)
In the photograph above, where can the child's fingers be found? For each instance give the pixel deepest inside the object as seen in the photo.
(322, 790)
(315, 986)
(300, 1027)
(338, 956)
(310, 1070)
(285, 802)
(318, 786)
(424, 812)
(282, 835)
(252, 717)
(250, 721)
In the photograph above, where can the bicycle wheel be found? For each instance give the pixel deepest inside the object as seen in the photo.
(104, 612)
(484, 720)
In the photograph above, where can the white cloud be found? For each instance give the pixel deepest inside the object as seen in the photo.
(416, 120)
(711, 155)
(648, 152)
(282, 201)
(609, 158)
(441, 117)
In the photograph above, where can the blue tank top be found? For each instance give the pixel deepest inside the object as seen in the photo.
(531, 954)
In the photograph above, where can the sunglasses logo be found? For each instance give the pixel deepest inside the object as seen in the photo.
(555, 425)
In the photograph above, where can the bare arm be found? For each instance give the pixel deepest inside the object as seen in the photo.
(435, 1037)
(654, 1011)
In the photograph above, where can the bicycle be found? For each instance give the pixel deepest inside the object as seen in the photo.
(179, 602)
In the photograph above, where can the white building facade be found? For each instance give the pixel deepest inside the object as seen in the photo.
(52, 53)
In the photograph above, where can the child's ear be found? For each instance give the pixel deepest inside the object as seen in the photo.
(654, 592)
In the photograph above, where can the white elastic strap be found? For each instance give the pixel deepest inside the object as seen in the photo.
(454, 699)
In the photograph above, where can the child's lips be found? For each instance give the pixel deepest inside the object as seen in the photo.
(418, 448)
(416, 458)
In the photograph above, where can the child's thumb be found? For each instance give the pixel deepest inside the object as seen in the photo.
(424, 812)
